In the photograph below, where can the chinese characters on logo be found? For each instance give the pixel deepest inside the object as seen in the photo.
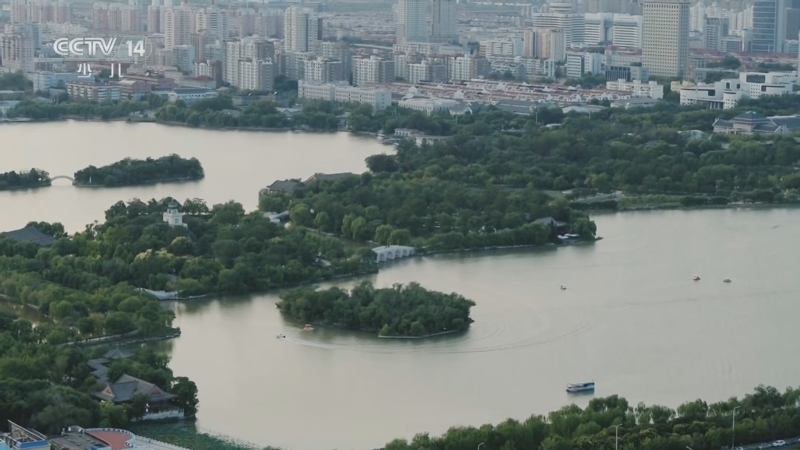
(85, 70)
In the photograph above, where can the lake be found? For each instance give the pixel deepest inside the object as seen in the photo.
(237, 164)
(631, 319)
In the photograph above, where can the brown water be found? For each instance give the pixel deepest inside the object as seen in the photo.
(237, 164)
(631, 319)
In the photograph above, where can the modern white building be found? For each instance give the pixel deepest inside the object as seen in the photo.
(412, 21)
(725, 94)
(626, 30)
(572, 24)
(638, 89)
(190, 95)
(428, 105)
(580, 64)
(665, 37)
(342, 92)
(444, 24)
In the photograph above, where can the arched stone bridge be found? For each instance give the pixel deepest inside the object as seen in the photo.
(389, 252)
(62, 177)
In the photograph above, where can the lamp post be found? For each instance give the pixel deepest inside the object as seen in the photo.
(690, 448)
(733, 427)
(479, 446)
(616, 437)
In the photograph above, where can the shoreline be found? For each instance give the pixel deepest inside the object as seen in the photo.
(673, 207)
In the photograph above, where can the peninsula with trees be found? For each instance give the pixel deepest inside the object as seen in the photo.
(132, 172)
(24, 180)
(399, 311)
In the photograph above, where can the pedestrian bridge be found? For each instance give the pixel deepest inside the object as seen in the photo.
(62, 177)
(389, 252)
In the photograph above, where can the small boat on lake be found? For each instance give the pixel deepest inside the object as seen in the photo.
(563, 288)
(580, 387)
(280, 336)
(308, 327)
(726, 280)
(696, 278)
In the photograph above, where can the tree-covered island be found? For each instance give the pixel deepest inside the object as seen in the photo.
(131, 172)
(405, 311)
(24, 180)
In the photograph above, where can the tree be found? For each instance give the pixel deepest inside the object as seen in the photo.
(300, 215)
(186, 392)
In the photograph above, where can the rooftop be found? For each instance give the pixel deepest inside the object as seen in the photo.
(191, 90)
(30, 234)
(117, 439)
(77, 440)
(127, 386)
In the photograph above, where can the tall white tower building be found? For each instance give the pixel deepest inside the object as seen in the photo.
(412, 21)
(177, 26)
(214, 21)
(301, 29)
(444, 21)
(665, 37)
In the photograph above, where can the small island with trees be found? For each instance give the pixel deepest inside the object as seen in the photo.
(131, 172)
(24, 180)
(408, 311)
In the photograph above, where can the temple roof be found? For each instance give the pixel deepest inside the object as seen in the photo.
(126, 387)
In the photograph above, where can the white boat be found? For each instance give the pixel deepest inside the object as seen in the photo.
(581, 387)
(563, 288)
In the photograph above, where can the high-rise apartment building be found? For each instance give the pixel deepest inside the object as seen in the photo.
(214, 21)
(301, 29)
(17, 48)
(444, 21)
(177, 26)
(713, 34)
(412, 21)
(270, 23)
(372, 70)
(529, 43)
(573, 25)
(768, 26)
(665, 37)
(792, 26)
(551, 44)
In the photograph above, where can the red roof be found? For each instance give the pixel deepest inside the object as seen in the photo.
(116, 439)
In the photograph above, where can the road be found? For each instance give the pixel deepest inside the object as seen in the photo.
(790, 443)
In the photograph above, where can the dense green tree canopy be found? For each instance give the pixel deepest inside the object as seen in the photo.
(32, 178)
(409, 310)
(763, 416)
(135, 171)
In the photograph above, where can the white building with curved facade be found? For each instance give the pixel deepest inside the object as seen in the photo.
(726, 93)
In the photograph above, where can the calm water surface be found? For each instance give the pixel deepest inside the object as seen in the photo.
(631, 318)
(237, 164)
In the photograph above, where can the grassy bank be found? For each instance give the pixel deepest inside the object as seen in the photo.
(186, 435)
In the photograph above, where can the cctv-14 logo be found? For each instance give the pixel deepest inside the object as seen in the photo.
(96, 47)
